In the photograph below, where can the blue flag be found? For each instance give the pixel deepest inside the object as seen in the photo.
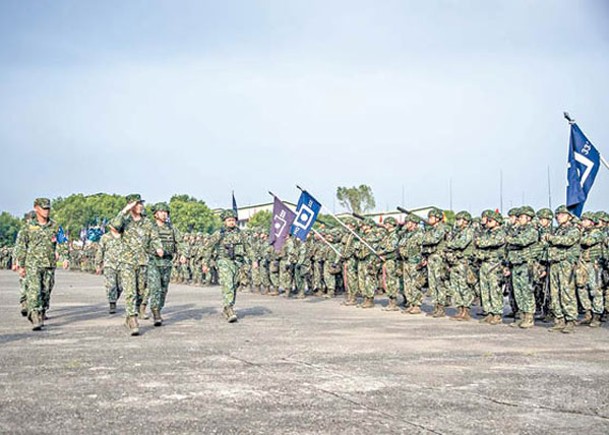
(283, 218)
(306, 215)
(583, 164)
(61, 236)
(235, 208)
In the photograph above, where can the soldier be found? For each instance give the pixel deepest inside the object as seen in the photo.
(287, 260)
(433, 243)
(603, 225)
(367, 264)
(303, 273)
(331, 266)
(409, 248)
(588, 271)
(108, 259)
(542, 275)
(521, 243)
(459, 249)
(159, 268)
(564, 251)
(389, 252)
(37, 256)
(140, 239)
(233, 251)
(350, 244)
(491, 254)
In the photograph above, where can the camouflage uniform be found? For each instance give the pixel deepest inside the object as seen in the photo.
(563, 253)
(287, 259)
(350, 244)
(459, 250)
(109, 256)
(331, 264)
(541, 276)
(303, 273)
(433, 243)
(389, 251)
(409, 248)
(588, 272)
(368, 266)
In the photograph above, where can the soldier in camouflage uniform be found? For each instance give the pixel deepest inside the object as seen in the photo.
(409, 248)
(159, 268)
(37, 254)
(545, 216)
(491, 254)
(521, 244)
(459, 250)
(368, 265)
(433, 244)
(233, 250)
(603, 225)
(318, 266)
(303, 273)
(108, 259)
(389, 252)
(588, 271)
(332, 267)
(287, 260)
(350, 244)
(563, 254)
(140, 241)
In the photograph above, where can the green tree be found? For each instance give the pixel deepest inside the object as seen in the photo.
(190, 214)
(356, 199)
(449, 217)
(261, 220)
(9, 227)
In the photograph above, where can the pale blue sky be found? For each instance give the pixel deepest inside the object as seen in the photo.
(202, 97)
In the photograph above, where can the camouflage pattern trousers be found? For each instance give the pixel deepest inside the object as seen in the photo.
(22, 293)
(562, 291)
(303, 277)
(491, 295)
(350, 276)
(436, 270)
(228, 271)
(522, 283)
(318, 275)
(158, 285)
(412, 287)
(463, 294)
(367, 276)
(391, 281)
(591, 294)
(329, 279)
(286, 277)
(133, 280)
(112, 284)
(39, 282)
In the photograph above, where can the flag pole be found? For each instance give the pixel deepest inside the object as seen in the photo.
(349, 229)
(314, 230)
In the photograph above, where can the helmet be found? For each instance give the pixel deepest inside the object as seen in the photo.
(229, 213)
(465, 215)
(545, 213)
(134, 197)
(591, 216)
(515, 211)
(435, 212)
(526, 210)
(390, 221)
(160, 206)
(487, 213)
(563, 209)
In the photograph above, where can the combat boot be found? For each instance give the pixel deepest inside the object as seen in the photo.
(350, 301)
(434, 312)
(134, 327)
(441, 312)
(486, 319)
(368, 303)
(329, 295)
(466, 317)
(24, 308)
(516, 323)
(274, 292)
(559, 325)
(459, 315)
(415, 310)
(586, 320)
(528, 321)
(407, 310)
(596, 321)
(36, 320)
(156, 316)
(142, 312)
(569, 327)
(495, 320)
(287, 293)
(265, 291)
(300, 295)
(392, 306)
(230, 314)
(112, 308)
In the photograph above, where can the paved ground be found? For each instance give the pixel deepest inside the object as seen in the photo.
(289, 366)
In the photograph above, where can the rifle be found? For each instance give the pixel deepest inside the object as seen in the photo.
(408, 212)
(362, 218)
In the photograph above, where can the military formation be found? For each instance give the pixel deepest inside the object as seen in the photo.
(547, 265)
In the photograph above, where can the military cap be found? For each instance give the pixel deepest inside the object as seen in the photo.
(563, 209)
(527, 210)
(591, 216)
(42, 202)
(391, 221)
(602, 216)
(412, 218)
(487, 213)
(495, 215)
(545, 213)
(435, 212)
(228, 213)
(134, 197)
(160, 206)
(515, 211)
(370, 222)
(465, 215)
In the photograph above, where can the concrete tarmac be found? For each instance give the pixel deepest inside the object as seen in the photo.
(288, 367)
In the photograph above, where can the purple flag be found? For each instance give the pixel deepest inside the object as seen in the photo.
(281, 224)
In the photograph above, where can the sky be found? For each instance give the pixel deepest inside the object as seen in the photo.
(428, 102)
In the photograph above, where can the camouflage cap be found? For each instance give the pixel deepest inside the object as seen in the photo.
(227, 214)
(42, 202)
(487, 213)
(348, 220)
(602, 216)
(590, 216)
(545, 213)
(562, 209)
(496, 216)
(134, 197)
(514, 211)
(412, 218)
(465, 215)
(370, 222)
(160, 206)
(526, 210)
(435, 212)
(390, 221)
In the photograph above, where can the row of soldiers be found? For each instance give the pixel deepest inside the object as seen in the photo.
(6, 257)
